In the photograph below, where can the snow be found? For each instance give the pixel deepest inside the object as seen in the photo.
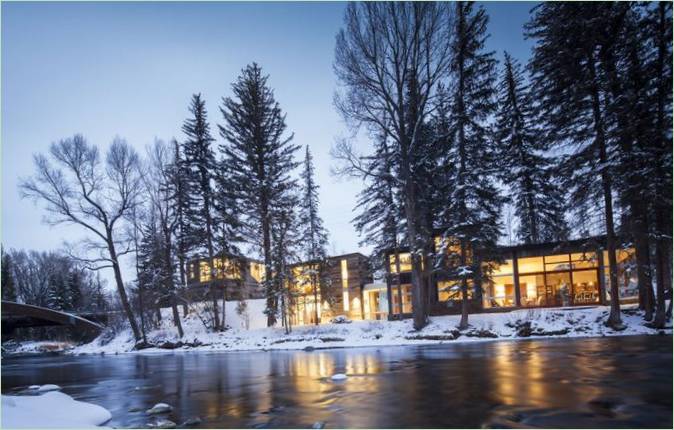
(338, 377)
(48, 387)
(53, 409)
(553, 322)
(159, 408)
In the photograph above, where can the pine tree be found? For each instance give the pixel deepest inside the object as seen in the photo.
(259, 161)
(313, 236)
(539, 201)
(200, 160)
(571, 59)
(7, 277)
(474, 209)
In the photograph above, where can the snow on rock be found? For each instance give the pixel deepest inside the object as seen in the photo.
(516, 324)
(159, 408)
(338, 377)
(47, 387)
(162, 424)
(52, 409)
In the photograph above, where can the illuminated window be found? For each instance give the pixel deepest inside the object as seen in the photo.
(204, 271)
(530, 265)
(451, 290)
(226, 268)
(585, 260)
(257, 271)
(405, 262)
(345, 284)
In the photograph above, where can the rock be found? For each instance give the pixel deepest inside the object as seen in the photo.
(191, 422)
(331, 339)
(431, 337)
(159, 408)
(162, 424)
(318, 425)
(170, 345)
(340, 319)
(142, 345)
(481, 333)
(338, 377)
(523, 329)
(309, 348)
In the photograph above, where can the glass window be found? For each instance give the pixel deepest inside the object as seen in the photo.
(584, 260)
(345, 284)
(257, 271)
(502, 269)
(585, 287)
(499, 292)
(451, 290)
(405, 262)
(559, 258)
(226, 268)
(532, 290)
(204, 272)
(530, 264)
(406, 295)
(558, 289)
(628, 285)
(557, 262)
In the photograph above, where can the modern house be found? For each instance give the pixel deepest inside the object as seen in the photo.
(339, 292)
(569, 273)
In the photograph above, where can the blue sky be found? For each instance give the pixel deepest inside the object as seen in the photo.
(129, 69)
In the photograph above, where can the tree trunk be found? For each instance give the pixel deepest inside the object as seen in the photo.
(463, 324)
(120, 289)
(176, 316)
(614, 319)
(418, 314)
(272, 301)
(314, 282)
(660, 270)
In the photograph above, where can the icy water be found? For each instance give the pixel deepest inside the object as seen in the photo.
(600, 382)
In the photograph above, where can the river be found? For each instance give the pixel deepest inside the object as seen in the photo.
(594, 382)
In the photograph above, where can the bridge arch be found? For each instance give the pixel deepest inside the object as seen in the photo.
(19, 315)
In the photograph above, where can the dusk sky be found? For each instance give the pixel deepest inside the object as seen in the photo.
(129, 69)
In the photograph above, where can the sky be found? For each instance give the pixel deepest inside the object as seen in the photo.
(129, 69)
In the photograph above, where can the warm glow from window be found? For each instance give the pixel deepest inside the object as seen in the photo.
(530, 265)
(451, 290)
(405, 262)
(226, 268)
(204, 272)
(345, 284)
(257, 271)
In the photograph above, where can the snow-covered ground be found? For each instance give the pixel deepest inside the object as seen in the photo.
(559, 322)
(52, 409)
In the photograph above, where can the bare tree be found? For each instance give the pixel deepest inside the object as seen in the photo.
(390, 58)
(76, 187)
(159, 190)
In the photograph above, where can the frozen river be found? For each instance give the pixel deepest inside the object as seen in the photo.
(597, 382)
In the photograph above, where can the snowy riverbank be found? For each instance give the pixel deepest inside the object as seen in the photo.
(44, 406)
(558, 322)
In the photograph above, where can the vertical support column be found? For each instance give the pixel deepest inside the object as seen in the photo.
(516, 279)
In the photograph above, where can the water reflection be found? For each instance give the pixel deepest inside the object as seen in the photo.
(591, 382)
